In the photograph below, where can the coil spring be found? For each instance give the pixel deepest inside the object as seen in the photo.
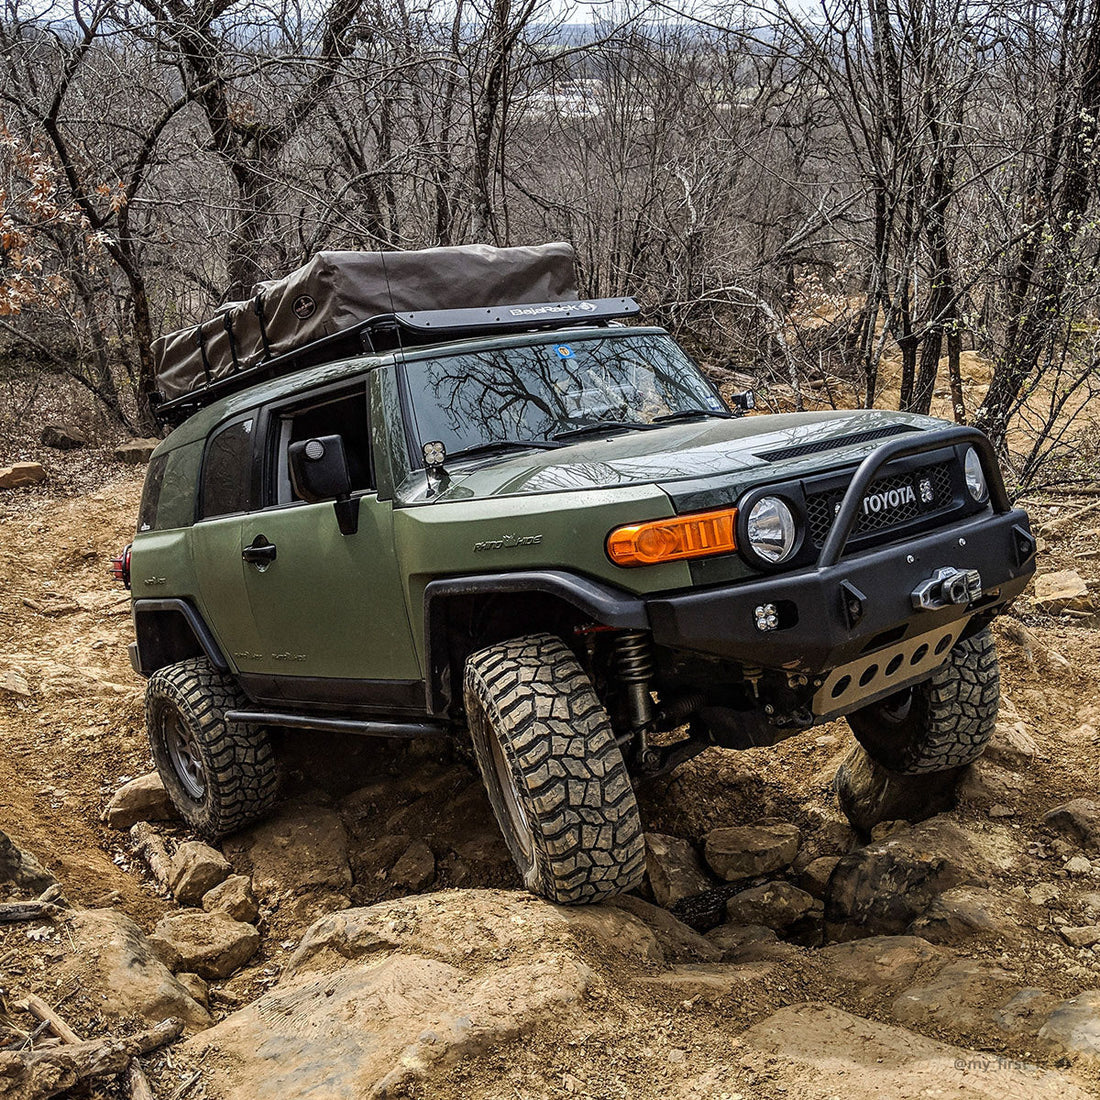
(634, 657)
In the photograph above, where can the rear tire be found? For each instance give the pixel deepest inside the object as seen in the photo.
(940, 724)
(220, 776)
(554, 773)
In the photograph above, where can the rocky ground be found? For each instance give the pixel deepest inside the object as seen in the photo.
(370, 939)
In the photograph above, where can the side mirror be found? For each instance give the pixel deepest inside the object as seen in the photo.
(319, 471)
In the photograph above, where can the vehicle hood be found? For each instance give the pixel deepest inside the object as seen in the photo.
(694, 451)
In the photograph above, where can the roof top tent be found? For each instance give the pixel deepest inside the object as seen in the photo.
(345, 303)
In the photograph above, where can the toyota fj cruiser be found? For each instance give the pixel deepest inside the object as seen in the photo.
(522, 521)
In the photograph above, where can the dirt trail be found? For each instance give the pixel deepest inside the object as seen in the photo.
(64, 629)
(78, 734)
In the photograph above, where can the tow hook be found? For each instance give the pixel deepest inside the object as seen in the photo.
(948, 586)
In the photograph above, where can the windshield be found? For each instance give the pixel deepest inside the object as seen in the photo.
(533, 393)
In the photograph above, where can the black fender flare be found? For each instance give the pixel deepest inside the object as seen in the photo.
(600, 602)
(170, 630)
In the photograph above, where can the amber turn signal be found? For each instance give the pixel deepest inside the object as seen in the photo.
(695, 536)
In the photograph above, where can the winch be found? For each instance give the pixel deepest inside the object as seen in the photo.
(946, 586)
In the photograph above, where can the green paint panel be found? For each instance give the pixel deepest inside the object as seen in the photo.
(330, 605)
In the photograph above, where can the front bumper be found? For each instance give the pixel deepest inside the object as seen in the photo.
(817, 630)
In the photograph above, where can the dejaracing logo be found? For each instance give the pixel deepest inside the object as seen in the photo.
(543, 311)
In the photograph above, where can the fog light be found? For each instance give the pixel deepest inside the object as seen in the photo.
(435, 454)
(927, 494)
(767, 617)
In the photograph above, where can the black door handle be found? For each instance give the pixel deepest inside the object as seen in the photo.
(261, 552)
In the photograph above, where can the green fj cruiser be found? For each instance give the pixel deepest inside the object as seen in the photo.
(434, 493)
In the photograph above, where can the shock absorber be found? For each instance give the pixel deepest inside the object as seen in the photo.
(634, 665)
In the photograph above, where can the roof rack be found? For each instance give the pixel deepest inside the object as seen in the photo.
(390, 331)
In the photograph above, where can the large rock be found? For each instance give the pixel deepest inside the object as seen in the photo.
(1078, 819)
(1011, 745)
(821, 1051)
(673, 867)
(136, 452)
(814, 877)
(376, 1000)
(777, 905)
(21, 474)
(142, 799)
(746, 851)
(969, 913)
(464, 925)
(988, 784)
(211, 945)
(195, 870)
(885, 886)
(235, 897)
(110, 958)
(878, 962)
(1082, 935)
(1074, 1025)
(964, 996)
(1064, 590)
(677, 941)
(1026, 1013)
(63, 437)
(21, 868)
(870, 794)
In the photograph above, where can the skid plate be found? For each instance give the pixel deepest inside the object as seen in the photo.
(886, 670)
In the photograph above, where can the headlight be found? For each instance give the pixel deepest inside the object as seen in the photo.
(975, 478)
(771, 530)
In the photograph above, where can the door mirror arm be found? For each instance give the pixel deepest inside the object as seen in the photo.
(347, 514)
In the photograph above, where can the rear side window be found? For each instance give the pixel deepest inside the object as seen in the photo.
(168, 499)
(227, 471)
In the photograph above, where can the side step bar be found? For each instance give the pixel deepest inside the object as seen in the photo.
(336, 725)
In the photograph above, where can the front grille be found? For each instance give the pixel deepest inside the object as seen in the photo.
(910, 503)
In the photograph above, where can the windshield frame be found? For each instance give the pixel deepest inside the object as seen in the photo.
(406, 357)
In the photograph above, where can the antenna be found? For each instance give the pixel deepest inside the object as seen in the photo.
(393, 311)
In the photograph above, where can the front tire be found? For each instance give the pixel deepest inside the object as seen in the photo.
(220, 776)
(940, 724)
(553, 771)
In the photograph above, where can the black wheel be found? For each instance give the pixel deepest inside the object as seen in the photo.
(942, 723)
(219, 775)
(555, 776)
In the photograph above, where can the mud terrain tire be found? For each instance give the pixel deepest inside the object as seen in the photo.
(220, 775)
(942, 723)
(554, 774)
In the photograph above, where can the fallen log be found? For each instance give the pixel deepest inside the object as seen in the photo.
(150, 846)
(1056, 526)
(11, 912)
(138, 1082)
(37, 1075)
(41, 1011)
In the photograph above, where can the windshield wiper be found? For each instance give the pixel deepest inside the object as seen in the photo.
(601, 427)
(692, 414)
(498, 445)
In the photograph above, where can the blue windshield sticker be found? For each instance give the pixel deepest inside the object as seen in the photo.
(714, 403)
(564, 351)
